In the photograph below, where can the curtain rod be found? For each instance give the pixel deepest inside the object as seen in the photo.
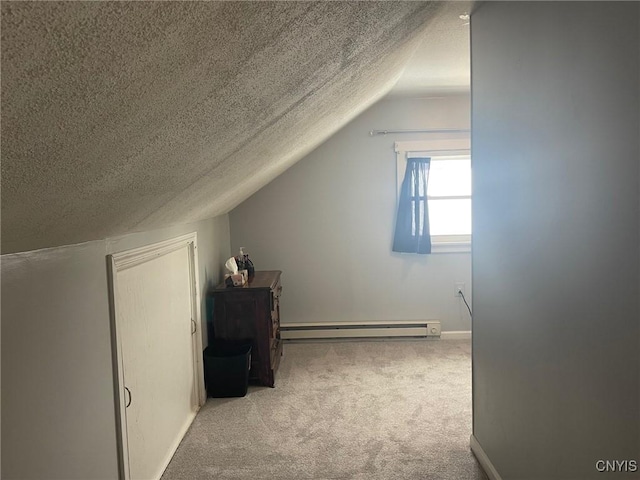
(436, 130)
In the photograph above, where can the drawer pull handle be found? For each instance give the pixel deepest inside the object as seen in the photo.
(130, 397)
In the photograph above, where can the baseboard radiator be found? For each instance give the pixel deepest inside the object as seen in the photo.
(378, 329)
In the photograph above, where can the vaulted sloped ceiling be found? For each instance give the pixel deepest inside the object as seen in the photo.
(126, 116)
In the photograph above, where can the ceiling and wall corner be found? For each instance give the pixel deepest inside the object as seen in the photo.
(127, 116)
(440, 66)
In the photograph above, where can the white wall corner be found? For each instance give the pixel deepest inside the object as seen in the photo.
(483, 459)
(456, 335)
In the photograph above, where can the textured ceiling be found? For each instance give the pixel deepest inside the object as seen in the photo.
(442, 62)
(127, 116)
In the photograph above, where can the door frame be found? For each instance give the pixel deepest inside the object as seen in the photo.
(118, 262)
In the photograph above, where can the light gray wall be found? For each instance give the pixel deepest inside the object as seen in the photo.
(58, 419)
(57, 393)
(556, 342)
(328, 222)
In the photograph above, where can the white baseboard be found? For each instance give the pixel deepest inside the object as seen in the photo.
(484, 461)
(456, 335)
(369, 329)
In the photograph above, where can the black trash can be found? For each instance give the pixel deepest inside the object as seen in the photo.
(226, 368)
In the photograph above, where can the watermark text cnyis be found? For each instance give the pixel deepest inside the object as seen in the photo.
(617, 465)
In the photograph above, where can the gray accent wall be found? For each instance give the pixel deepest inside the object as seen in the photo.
(58, 417)
(556, 254)
(328, 224)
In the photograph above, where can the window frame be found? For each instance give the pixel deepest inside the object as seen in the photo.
(434, 149)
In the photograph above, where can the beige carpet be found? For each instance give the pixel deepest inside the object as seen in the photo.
(343, 410)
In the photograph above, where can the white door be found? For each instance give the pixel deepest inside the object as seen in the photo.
(154, 308)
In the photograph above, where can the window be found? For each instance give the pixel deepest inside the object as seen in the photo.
(448, 193)
(449, 197)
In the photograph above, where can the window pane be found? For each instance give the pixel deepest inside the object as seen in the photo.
(450, 217)
(450, 177)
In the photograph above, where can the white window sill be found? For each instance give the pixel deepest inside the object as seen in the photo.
(450, 247)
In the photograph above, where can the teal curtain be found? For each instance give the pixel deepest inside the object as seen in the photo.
(412, 233)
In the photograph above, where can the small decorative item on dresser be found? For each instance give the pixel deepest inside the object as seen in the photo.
(240, 259)
(244, 263)
(248, 265)
(235, 278)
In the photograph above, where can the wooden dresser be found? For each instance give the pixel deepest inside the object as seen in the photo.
(251, 312)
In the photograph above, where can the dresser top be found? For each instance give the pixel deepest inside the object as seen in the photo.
(264, 279)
